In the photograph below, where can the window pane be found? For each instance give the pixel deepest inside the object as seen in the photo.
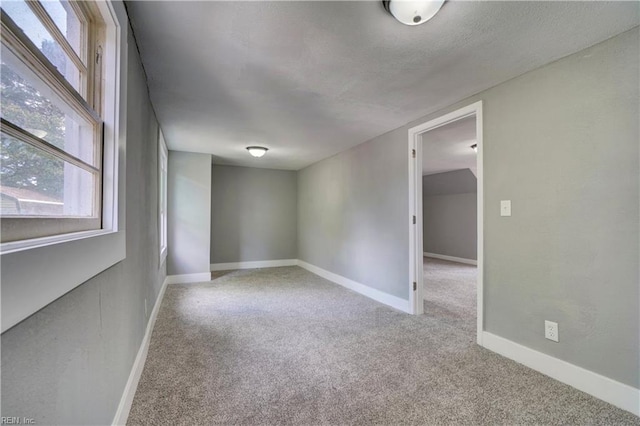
(28, 103)
(33, 28)
(34, 183)
(66, 21)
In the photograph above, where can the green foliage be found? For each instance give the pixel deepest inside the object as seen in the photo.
(21, 165)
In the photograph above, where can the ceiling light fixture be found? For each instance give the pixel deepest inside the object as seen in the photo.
(411, 12)
(257, 151)
(474, 147)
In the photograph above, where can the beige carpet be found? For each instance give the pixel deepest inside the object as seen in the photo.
(283, 346)
(450, 293)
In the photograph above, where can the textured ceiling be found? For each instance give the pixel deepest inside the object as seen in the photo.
(449, 147)
(311, 79)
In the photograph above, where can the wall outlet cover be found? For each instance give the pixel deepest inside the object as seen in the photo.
(551, 330)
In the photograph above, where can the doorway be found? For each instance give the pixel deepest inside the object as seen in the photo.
(416, 246)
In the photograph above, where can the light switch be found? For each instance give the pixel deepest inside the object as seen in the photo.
(505, 208)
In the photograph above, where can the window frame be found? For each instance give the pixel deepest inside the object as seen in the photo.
(81, 61)
(36, 272)
(163, 175)
(19, 231)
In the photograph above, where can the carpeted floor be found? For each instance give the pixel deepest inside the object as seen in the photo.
(284, 346)
(450, 293)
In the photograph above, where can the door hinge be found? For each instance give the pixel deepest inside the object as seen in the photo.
(414, 220)
(415, 286)
(413, 153)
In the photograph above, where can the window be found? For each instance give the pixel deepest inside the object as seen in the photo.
(38, 270)
(163, 164)
(51, 140)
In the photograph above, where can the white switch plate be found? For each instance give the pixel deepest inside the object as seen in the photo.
(505, 208)
(551, 330)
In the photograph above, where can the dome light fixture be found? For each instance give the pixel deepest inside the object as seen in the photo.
(413, 12)
(257, 151)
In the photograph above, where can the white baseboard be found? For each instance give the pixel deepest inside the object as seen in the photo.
(253, 264)
(189, 278)
(377, 295)
(138, 365)
(451, 258)
(604, 388)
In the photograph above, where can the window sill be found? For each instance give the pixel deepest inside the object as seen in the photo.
(16, 246)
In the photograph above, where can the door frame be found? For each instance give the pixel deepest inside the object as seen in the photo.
(416, 248)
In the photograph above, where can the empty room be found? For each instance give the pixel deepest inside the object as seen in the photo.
(320, 212)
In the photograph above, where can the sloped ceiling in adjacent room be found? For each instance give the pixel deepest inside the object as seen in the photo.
(448, 147)
(310, 79)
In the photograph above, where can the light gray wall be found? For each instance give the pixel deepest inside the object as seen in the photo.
(450, 214)
(254, 214)
(353, 215)
(561, 142)
(461, 181)
(69, 362)
(450, 225)
(189, 213)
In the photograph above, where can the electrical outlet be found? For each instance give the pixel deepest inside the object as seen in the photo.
(145, 307)
(551, 330)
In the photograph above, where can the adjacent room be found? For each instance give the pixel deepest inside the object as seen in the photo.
(450, 221)
(357, 212)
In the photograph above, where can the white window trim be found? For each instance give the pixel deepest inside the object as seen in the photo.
(36, 272)
(163, 160)
(31, 64)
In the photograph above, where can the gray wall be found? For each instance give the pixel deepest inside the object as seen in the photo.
(461, 181)
(561, 142)
(254, 214)
(353, 214)
(450, 214)
(69, 362)
(189, 213)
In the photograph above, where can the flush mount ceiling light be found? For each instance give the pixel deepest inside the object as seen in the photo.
(257, 151)
(474, 147)
(413, 12)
